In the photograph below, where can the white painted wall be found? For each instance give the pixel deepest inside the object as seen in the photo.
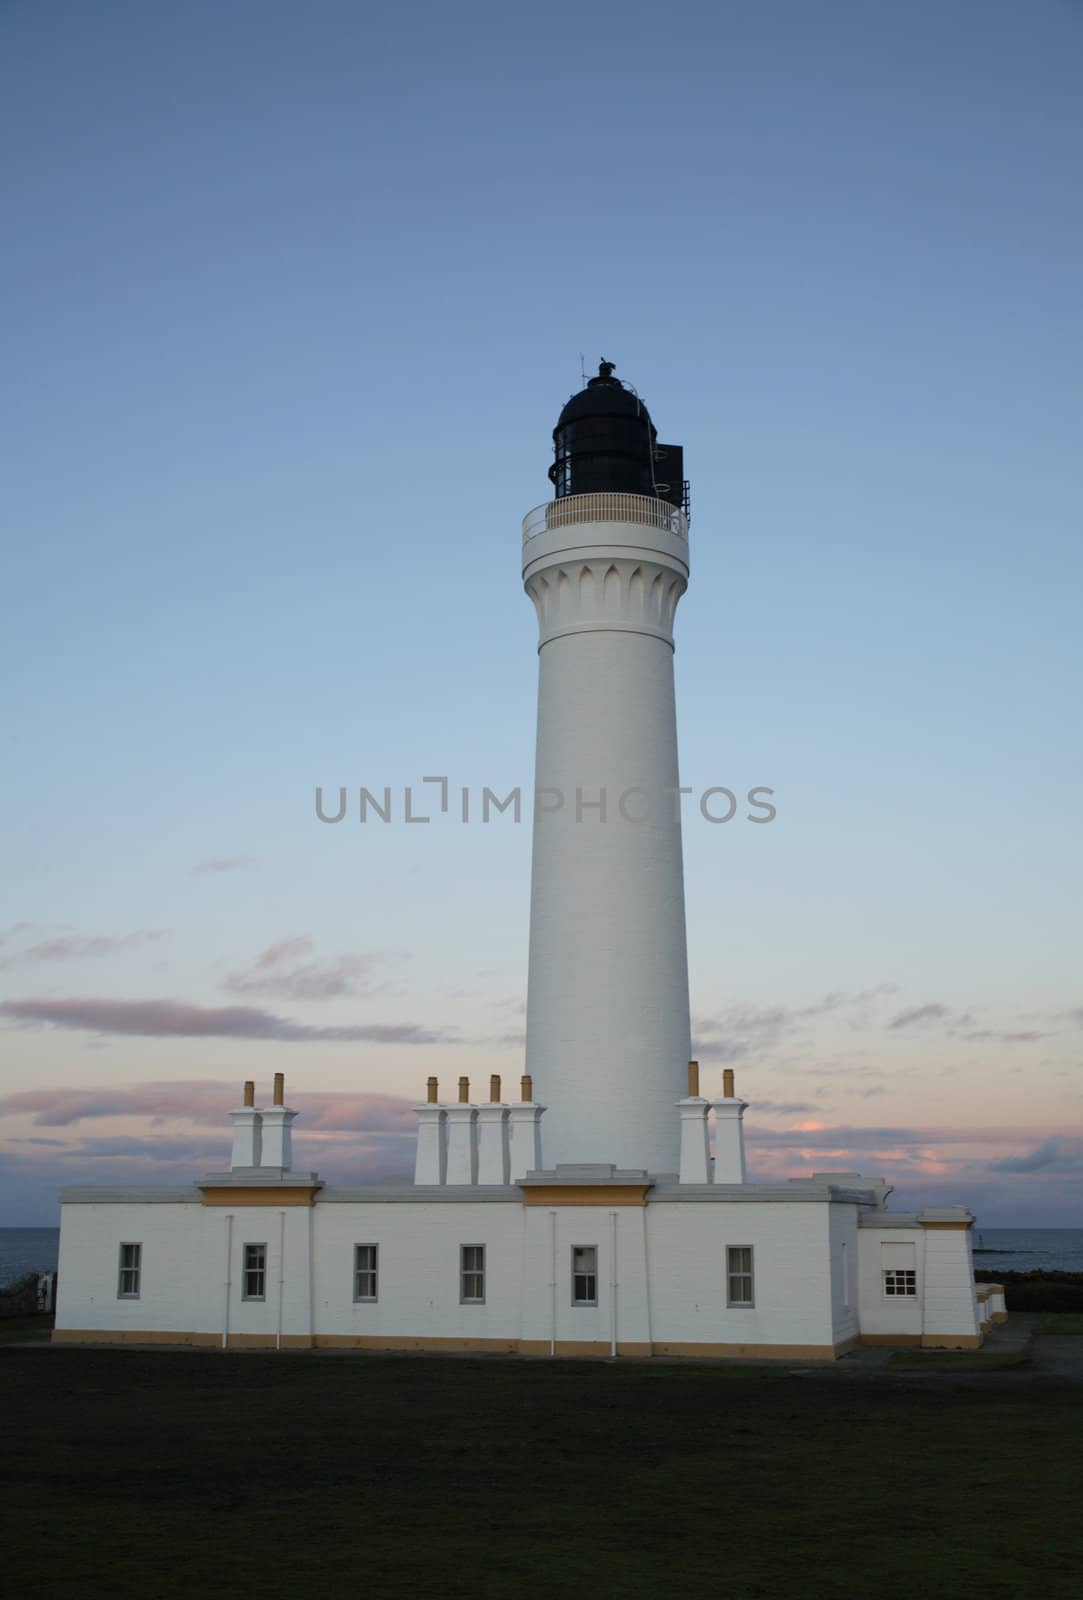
(946, 1301)
(184, 1266)
(176, 1275)
(669, 1267)
(419, 1269)
(951, 1303)
(608, 1036)
(878, 1314)
(687, 1246)
(549, 1237)
(843, 1242)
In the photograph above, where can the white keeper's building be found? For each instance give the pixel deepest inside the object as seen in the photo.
(605, 1210)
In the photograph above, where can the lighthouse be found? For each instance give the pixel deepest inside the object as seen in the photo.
(605, 563)
(587, 1216)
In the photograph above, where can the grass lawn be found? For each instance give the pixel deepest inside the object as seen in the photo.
(16, 1330)
(1060, 1322)
(154, 1475)
(957, 1360)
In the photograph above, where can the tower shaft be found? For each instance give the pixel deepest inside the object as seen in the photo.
(607, 1002)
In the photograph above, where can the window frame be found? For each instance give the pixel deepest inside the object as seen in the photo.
(739, 1272)
(135, 1268)
(372, 1272)
(591, 1273)
(909, 1290)
(471, 1272)
(253, 1244)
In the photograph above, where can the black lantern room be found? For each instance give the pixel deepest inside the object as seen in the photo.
(606, 442)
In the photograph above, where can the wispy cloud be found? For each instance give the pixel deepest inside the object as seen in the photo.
(959, 1025)
(784, 1108)
(221, 864)
(175, 1019)
(205, 1103)
(1057, 1155)
(740, 1031)
(811, 1134)
(953, 1159)
(32, 1177)
(192, 1150)
(1004, 1036)
(815, 1137)
(288, 969)
(81, 947)
(921, 1017)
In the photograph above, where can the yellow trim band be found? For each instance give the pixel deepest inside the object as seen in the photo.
(585, 1194)
(257, 1195)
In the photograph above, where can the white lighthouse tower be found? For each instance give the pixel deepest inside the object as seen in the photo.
(605, 564)
(604, 1228)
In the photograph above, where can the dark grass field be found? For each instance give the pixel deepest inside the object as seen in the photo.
(163, 1474)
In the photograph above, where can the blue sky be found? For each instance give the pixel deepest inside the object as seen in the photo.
(293, 295)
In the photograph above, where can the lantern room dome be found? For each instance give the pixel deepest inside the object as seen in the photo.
(605, 442)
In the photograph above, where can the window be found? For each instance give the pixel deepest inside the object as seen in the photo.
(739, 1275)
(255, 1272)
(584, 1275)
(364, 1271)
(898, 1282)
(472, 1274)
(131, 1261)
(898, 1267)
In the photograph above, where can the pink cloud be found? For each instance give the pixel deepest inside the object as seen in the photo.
(32, 1177)
(207, 1103)
(285, 969)
(176, 1019)
(81, 947)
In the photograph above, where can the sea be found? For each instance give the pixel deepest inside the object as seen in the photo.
(27, 1250)
(1027, 1249)
(995, 1250)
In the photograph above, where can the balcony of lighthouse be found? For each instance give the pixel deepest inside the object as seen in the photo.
(643, 509)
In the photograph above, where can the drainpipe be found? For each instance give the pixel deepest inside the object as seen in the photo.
(281, 1276)
(924, 1284)
(647, 1286)
(229, 1259)
(552, 1283)
(612, 1283)
(311, 1277)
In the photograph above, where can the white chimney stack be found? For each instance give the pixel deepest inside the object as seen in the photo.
(729, 1136)
(247, 1130)
(493, 1137)
(430, 1164)
(524, 1133)
(695, 1139)
(277, 1121)
(462, 1140)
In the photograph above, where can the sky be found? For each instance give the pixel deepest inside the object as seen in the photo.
(293, 295)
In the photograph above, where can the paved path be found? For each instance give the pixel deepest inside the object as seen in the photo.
(1044, 1355)
(1058, 1355)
